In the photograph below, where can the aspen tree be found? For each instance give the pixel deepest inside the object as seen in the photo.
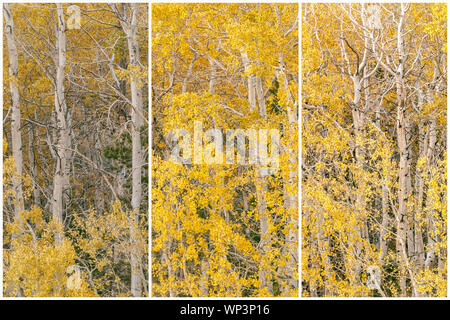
(61, 178)
(15, 107)
(129, 26)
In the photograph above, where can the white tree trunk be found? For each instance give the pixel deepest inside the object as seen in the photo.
(404, 182)
(129, 26)
(261, 185)
(291, 203)
(15, 110)
(61, 178)
(431, 255)
(250, 82)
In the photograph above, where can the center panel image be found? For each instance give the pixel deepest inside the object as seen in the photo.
(224, 150)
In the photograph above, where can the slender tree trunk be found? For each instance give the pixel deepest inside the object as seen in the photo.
(358, 121)
(16, 137)
(61, 177)
(212, 80)
(204, 278)
(418, 237)
(188, 75)
(250, 82)
(260, 96)
(31, 141)
(404, 177)
(166, 257)
(261, 189)
(290, 199)
(130, 29)
(431, 237)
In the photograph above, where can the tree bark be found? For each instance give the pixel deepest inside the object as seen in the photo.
(404, 176)
(250, 82)
(261, 189)
(129, 26)
(61, 178)
(16, 137)
(290, 199)
(431, 240)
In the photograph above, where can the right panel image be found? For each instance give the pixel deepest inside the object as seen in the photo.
(374, 150)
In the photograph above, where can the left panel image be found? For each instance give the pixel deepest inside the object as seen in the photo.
(75, 150)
